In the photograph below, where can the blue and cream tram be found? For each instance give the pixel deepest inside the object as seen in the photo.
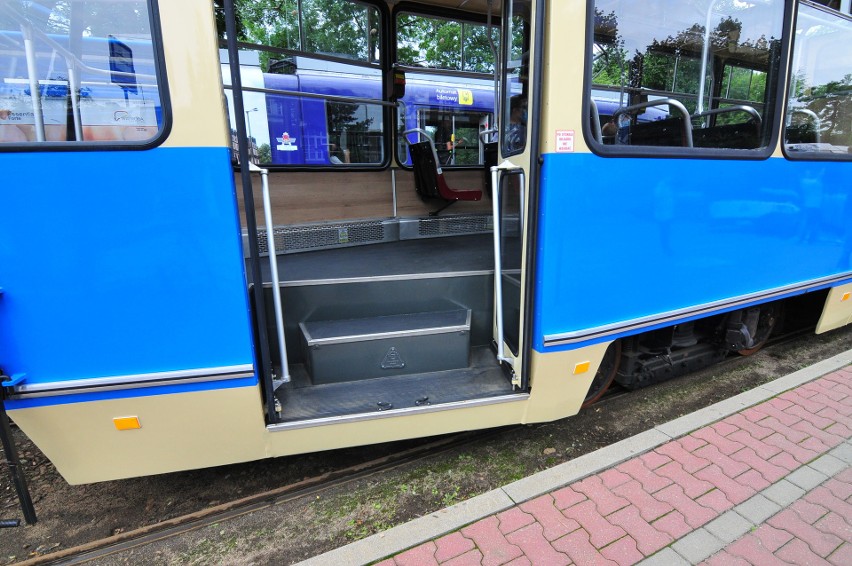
(206, 263)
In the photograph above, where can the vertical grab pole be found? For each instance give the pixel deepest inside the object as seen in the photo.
(14, 464)
(32, 70)
(498, 263)
(263, 357)
(73, 87)
(273, 268)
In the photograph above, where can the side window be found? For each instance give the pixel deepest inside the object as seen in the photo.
(697, 74)
(516, 78)
(844, 6)
(91, 75)
(819, 103)
(450, 102)
(443, 43)
(312, 83)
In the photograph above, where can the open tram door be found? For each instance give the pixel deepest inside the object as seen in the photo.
(510, 180)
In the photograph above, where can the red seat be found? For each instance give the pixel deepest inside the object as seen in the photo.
(429, 179)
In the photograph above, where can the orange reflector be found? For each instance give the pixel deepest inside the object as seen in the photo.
(582, 367)
(845, 296)
(126, 423)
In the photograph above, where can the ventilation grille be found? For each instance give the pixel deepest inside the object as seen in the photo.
(453, 225)
(301, 238)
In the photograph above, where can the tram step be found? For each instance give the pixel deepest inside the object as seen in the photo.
(349, 350)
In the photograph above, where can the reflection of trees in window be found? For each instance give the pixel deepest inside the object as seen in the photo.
(673, 65)
(98, 19)
(831, 102)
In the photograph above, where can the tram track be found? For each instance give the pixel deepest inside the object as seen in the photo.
(307, 487)
(313, 486)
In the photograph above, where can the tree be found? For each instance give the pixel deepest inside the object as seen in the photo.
(264, 153)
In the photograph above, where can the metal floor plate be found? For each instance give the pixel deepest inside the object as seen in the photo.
(303, 401)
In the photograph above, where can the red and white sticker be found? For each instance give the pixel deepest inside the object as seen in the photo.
(564, 141)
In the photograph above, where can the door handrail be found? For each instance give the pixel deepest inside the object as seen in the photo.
(496, 171)
(273, 268)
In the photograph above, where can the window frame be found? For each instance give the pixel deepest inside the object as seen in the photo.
(382, 66)
(448, 14)
(157, 48)
(756, 154)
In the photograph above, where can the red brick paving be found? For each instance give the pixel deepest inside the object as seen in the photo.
(816, 529)
(633, 510)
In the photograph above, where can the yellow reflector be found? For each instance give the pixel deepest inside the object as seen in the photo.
(845, 296)
(126, 423)
(581, 367)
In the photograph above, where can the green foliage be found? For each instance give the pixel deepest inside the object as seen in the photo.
(99, 19)
(444, 44)
(264, 153)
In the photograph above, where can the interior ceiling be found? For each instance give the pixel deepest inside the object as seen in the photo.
(480, 6)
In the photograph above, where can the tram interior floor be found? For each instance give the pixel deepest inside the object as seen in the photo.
(483, 379)
(405, 276)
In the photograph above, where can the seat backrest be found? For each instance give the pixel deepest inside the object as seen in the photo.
(667, 132)
(734, 136)
(425, 169)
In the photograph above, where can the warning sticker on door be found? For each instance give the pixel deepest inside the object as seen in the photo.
(564, 141)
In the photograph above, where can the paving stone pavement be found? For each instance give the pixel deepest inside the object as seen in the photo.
(768, 484)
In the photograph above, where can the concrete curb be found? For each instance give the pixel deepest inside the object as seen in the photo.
(435, 525)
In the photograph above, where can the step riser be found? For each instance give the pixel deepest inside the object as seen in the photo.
(390, 356)
(368, 299)
(350, 350)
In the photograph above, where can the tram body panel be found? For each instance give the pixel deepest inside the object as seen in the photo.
(177, 431)
(191, 429)
(838, 309)
(194, 77)
(652, 237)
(97, 309)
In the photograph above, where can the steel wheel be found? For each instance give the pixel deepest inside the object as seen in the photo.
(765, 325)
(605, 375)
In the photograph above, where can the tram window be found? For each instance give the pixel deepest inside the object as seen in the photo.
(697, 75)
(318, 65)
(516, 78)
(454, 129)
(443, 43)
(844, 6)
(95, 68)
(348, 30)
(819, 104)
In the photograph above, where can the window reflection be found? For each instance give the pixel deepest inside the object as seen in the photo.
(94, 73)
(697, 74)
(819, 106)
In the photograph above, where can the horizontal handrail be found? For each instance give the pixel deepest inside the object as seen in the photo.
(330, 97)
(811, 114)
(416, 131)
(484, 133)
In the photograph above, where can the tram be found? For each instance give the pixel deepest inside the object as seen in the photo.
(240, 229)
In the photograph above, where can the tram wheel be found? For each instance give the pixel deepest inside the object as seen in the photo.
(605, 375)
(765, 325)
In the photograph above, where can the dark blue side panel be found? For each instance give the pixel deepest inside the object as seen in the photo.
(120, 263)
(623, 239)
